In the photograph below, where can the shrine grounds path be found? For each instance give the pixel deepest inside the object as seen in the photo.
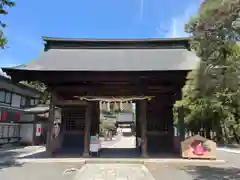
(149, 171)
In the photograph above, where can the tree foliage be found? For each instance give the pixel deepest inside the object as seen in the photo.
(211, 96)
(4, 5)
(42, 88)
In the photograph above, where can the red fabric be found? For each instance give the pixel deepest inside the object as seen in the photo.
(18, 116)
(4, 116)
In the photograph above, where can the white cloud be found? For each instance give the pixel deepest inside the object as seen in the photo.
(176, 28)
(3, 74)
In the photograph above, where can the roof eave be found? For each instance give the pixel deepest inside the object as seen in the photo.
(46, 38)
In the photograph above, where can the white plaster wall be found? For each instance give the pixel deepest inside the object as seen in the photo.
(26, 133)
(27, 118)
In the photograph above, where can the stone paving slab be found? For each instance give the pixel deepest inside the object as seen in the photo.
(148, 171)
(193, 172)
(36, 171)
(113, 172)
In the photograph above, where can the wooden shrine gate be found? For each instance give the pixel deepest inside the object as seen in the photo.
(73, 68)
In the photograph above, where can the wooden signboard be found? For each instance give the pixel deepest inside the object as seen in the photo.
(95, 145)
(198, 147)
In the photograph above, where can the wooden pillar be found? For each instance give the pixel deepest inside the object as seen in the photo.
(88, 118)
(137, 122)
(143, 121)
(171, 126)
(98, 117)
(181, 125)
(95, 119)
(49, 144)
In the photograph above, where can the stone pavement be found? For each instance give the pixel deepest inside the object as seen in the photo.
(148, 171)
(193, 172)
(232, 159)
(114, 172)
(39, 171)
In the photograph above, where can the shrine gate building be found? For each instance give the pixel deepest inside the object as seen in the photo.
(75, 68)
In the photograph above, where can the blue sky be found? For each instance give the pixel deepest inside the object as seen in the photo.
(30, 20)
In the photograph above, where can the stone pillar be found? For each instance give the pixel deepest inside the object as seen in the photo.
(88, 118)
(49, 144)
(143, 121)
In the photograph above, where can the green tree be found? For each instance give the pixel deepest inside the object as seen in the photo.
(4, 5)
(41, 87)
(211, 96)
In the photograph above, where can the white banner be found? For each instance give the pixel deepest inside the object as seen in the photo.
(38, 129)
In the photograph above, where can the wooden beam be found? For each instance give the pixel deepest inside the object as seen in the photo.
(77, 76)
(76, 90)
(51, 78)
(64, 102)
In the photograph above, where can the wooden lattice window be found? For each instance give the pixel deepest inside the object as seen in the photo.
(74, 118)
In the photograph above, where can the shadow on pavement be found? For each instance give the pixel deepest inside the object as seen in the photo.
(9, 154)
(10, 164)
(213, 173)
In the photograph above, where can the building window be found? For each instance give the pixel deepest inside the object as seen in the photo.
(36, 101)
(16, 100)
(75, 119)
(8, 97)
(23, 101)
(2, 96)
(32, 102)
(27, 103)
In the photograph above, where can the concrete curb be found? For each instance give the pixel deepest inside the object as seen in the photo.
(235, 151)
(110, 161)
(114, 161)
(199, 161)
